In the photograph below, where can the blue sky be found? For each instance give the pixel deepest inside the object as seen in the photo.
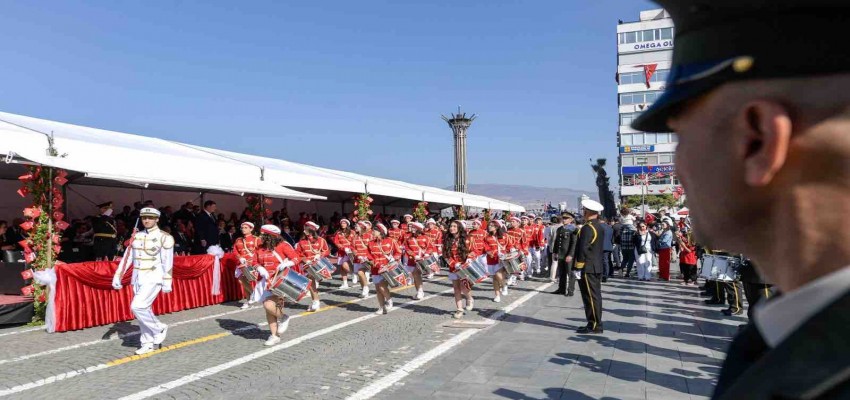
(352, 85)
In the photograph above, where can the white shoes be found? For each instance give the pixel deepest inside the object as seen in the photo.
(430, 275)
(380, 311)
(497, 299)
(272, 340)
(245, 306)
(469, 304)
(344, 286)
(354, 279)
(512, 280)
(145, 349)
(389, 305)
(504, 290)
(314, 306)
(160, 337)
(420, 294)
(365, 293)
(282, 324)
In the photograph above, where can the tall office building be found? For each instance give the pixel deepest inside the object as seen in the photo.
(644, 55)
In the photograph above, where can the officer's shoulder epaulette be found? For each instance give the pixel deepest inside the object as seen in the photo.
(167, 240)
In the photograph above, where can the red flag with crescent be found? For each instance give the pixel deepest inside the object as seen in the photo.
(648, 71)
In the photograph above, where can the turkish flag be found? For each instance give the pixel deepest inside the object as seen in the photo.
(648, 71)
(26, 274)
(27, 290)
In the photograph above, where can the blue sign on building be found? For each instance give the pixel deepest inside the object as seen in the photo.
(643, 169)
(647, 148)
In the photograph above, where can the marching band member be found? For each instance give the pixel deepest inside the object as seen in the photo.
(520, 241)
(436, 236)
(274, 255)
(395, 232)
(405, 225)
(361, 255)
(530, 230)
(311, 248)
(382, 251)
(537, 242)
(496, 245)
(151, 255)
(343, 239)
(478, 236)
(417, 247)
(457, 251)
(244, 249)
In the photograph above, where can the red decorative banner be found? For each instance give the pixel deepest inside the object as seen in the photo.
(648, 71)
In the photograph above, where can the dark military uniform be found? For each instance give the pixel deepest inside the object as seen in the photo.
(589, 260)
(105, 242)
(755, 288)
(723, 41)
(565, 246)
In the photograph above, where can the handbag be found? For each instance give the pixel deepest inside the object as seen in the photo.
(642, 248)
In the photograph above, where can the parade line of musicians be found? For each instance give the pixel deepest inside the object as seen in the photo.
(272, 271)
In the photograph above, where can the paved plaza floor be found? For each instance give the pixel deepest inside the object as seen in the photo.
(660, 342)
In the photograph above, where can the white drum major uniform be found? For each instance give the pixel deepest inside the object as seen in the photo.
(151, 255)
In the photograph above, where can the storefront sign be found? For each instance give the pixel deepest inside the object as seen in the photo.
(646, 46)
(647, 148)
(653, 169)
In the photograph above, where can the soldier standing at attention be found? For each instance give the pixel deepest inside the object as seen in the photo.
(105, 244)
(590, 266)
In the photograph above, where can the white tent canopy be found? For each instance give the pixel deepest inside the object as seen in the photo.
(106, 158)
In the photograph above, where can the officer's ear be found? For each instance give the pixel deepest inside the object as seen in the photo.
(765, 141)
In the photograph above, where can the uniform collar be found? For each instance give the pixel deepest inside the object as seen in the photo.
(155, 229)
(779, 318)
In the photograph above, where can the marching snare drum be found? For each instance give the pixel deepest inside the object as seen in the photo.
(321, 269)
(249, 272)
(474, 271)
(430, 264)
(513, 263)
(290, 285)
(719, 268)
(395, 275)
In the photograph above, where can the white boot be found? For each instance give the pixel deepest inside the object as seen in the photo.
(315, 305)
(344, 285)
(245, 306)
(380, 311)
(497, 299)
(389, 305)
(420, 294)
(160, 337)
(365, 293)
(145, 349)
(504, 290)
(430, 275)
(470, 303)
(354, 279)
(272, 340)
(282, 324)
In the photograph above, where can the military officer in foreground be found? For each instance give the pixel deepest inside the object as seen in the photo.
(765, 86)
(151, 256)
(105, 241)
(590, 266)
(565, 249)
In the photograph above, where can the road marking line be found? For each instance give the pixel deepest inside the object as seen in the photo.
(124, 360)
(171, 325)
(37, 328)
(383, 383)
(253, 356)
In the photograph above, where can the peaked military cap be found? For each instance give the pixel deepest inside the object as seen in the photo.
(719, 41)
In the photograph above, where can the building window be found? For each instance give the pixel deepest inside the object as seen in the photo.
(648, 35)
(665, 158)
(628, 160)
(627, 118)
(626, 139)
(649, 138)
(627, 78)
(639, 97)
(637, 139)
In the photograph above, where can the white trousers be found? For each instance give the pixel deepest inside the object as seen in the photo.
(535, 259)
(644, 265)
(145, 294)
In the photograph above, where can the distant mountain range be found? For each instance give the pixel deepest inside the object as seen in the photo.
(532, 197)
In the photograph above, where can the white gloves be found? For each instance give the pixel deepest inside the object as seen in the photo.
(513, 250)
(436, 254)
(457, 265)
(577, 274)
(242, 260)
(347, 250)
(361, 260)
(262, 271)
(166, 286)
(116, 282)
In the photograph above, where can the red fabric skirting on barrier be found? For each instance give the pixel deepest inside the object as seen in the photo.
(84, 296)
